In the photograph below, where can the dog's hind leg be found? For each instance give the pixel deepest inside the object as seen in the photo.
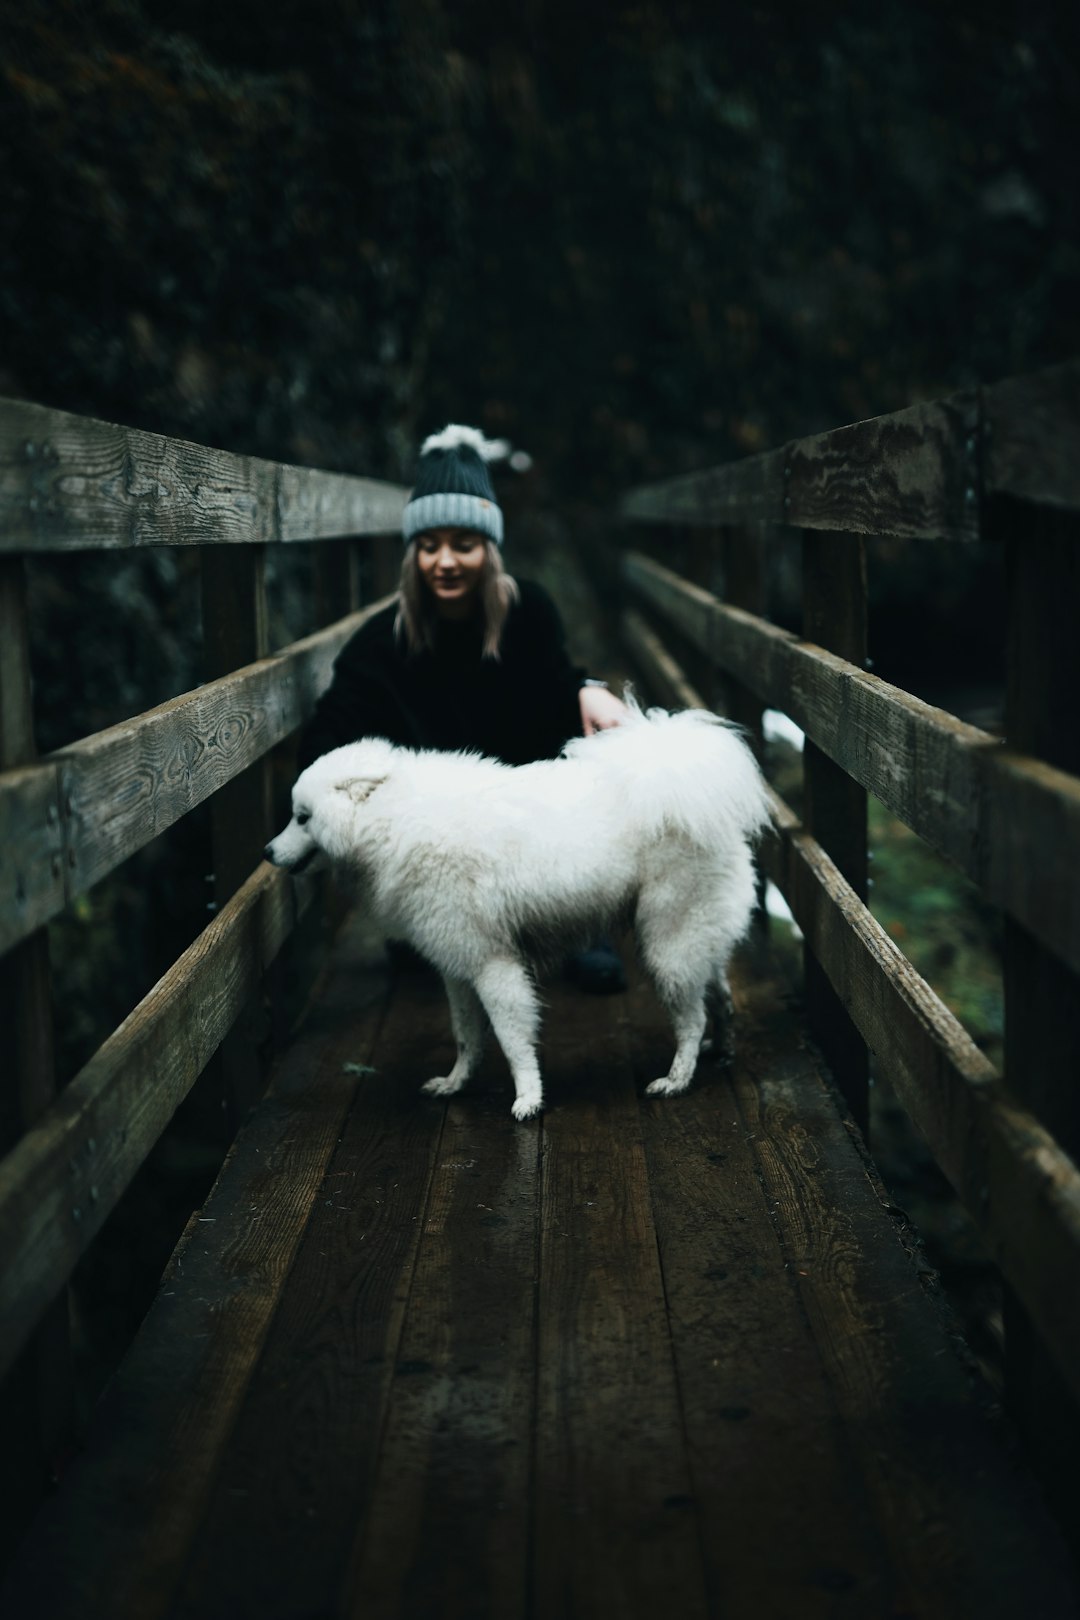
(723, 1011)
(686, 1006)
(467, 1018)
(510, 1001)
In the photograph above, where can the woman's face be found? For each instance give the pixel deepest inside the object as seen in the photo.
(451, 563)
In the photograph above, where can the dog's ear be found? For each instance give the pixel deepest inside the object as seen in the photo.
(359, 788)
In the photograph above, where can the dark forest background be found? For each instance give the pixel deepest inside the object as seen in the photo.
(634, 238)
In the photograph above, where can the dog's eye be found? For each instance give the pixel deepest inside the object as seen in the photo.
(302, 816)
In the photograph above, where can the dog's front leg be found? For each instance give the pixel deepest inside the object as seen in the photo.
(510, 1002)
(467, 1018)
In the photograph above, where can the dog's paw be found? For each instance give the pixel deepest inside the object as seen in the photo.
(666, 1088)
(441, 1086)
(526, 1107)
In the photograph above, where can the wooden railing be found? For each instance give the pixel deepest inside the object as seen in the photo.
(999, 465)
(67, 820)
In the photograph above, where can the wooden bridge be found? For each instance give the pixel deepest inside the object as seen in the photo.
(411, 1359)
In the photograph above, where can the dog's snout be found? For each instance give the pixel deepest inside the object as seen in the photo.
(268, 854)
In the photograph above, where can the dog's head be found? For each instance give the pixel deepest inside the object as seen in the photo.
(326, 803)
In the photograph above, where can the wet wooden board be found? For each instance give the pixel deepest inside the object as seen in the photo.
(635, 1355)
(113, 1542)
(615, 1528)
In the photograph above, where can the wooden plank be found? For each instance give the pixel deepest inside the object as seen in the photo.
(663, 676)
(37, 1400)
(615, 1528)
(1031, 427)
(742, 554)
(123, 786)
(966, 1534)
(785, 1522)
(111, 1545)
(275, 1541)
(71, 483)
(834, 805)
(67, 1173)
(1019, 1186)
(449, 1525)
(1042, 995)
(31, 851)
(235, 634)
(912, 473)
(750, 491)
(985, 808)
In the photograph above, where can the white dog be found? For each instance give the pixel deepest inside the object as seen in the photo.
(483, 867)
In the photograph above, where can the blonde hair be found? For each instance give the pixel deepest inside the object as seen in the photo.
(416, 616)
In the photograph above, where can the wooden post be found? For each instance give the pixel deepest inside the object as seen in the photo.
(1042, 996)
(337, 580)
(742, 554)
(382, 566)
(834, 616)
(235, 634)
(36, 1410)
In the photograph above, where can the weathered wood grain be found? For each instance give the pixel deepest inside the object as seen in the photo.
(70, 483)
(913, 473)
(37, 1400)
(448, 1529)
(986, 809)
(62, 1179)
(235, 633)
(123, 786)
(114, 1540)
(32, 886)
(960, 1525)
(1031, 432)
(615, 1529)
(275, 1542)
(1019, 1186)
(834, 804)
(795, 1537)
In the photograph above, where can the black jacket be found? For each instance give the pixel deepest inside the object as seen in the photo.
(520, 707)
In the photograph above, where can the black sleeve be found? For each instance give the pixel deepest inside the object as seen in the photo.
(360, 701)
(557, 680)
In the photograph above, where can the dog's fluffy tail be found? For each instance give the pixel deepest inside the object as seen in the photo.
(691, 771)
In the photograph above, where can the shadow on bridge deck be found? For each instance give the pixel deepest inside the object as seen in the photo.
(413, 1359)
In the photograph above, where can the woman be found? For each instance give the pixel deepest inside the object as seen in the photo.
(466, 657)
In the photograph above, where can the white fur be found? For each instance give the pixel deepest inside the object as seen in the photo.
(471, 860)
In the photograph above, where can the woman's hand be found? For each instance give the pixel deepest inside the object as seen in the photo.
(600, 709)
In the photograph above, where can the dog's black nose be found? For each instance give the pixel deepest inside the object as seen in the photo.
(268, 852)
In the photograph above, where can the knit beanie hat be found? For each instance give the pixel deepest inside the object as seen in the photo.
(453, 486)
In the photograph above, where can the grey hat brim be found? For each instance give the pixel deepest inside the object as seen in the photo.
(453, 511)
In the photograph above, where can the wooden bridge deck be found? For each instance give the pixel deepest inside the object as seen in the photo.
(637, 1358)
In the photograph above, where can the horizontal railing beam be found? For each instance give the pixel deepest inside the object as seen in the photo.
(69, 820)
(1009, 823)
(71, 483)
(65, 1176)
(1021, 1189)
(918, 473)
